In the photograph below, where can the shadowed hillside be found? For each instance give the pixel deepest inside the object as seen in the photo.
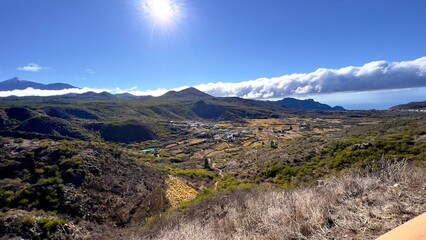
(90, 183)
(308, 104)
(207, 111)
(126, 133)
(51, 126)
(410, 106)
(186, 94)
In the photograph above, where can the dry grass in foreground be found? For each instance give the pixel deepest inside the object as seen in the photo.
(355, 206)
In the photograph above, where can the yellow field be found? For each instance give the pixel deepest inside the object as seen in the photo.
(247, 143)
(224, 125)
(171, 146)
(193, 142)
(221, 146)
(266, 123)
(318, 131)
(327, 130)
(176, 152)
(197, 156)
(230, 150)
(257, 144)
(178, 192)
(213, 154)
(201, 154)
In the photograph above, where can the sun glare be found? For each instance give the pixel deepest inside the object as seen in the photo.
(162, 11)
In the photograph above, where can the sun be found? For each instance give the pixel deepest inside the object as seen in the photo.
(162, 11)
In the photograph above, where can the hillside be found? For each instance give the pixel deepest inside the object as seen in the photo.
(20, 84)
(91, 183)
(185, 94)
(354, 206)
(99, 166)
(212, 120)
(92, 115)
(307, 104)
(410, 106)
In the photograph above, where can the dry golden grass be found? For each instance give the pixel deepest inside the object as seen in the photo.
(231, 150)
(193, 142)
(213, 154)
(267, 123)
(318, 131)
(354, 206)
(257, 144)
(247, 143)
(292, 135)
(176, 152)
(179, 192)
(224, 125)
(170, 146)
(294, 119)
(221, 146)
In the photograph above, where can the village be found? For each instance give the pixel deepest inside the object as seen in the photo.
(209, 142)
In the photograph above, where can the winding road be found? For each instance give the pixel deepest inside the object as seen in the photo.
(213, 167)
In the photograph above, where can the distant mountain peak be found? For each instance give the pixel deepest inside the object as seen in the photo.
(187, 93)
(194, 91)
(190, 89)
(15, 79)
(17, 83)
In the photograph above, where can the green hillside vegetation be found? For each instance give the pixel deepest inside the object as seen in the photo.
(66, 116)
(362, 149)
(101, 166)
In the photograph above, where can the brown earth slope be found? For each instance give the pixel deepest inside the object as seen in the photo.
(89, 185)
(355, 206)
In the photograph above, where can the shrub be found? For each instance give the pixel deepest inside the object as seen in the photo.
(192, 173)
(338, 208)
(49, 224)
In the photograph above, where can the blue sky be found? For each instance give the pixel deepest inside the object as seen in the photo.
(115, 44)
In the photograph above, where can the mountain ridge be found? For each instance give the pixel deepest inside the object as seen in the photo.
(21, 84)
(307, 104)
(187, 93)
(410, 106)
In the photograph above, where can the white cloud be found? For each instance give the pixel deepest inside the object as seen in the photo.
(89, 71)
(378, 99)
(45, 93)
(378, 75)
(31, 67)
(155, 93)
(373, 76)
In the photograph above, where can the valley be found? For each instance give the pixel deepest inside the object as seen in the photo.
(212, 120)
(83, 169)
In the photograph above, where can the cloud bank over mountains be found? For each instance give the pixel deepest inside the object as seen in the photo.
(45, 93)
(378, 75)
(373, 76)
